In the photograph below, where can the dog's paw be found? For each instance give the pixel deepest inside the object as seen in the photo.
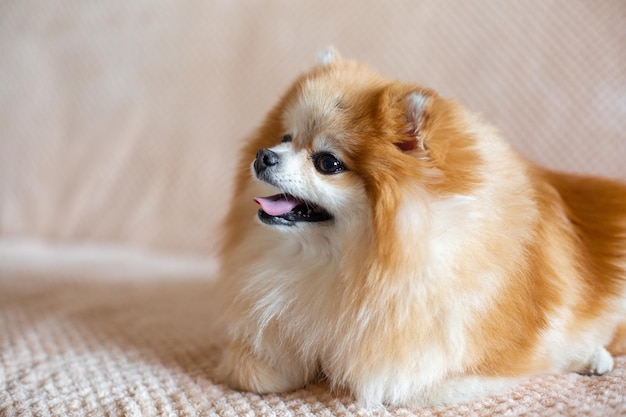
(241, 369)
(599, 363)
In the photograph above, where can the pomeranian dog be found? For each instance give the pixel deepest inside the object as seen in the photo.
(402, 251)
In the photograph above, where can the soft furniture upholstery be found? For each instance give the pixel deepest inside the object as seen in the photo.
(119, 129)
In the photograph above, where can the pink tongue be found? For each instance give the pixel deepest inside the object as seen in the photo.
(277, 205)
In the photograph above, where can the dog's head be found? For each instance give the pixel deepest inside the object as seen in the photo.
(345, 143)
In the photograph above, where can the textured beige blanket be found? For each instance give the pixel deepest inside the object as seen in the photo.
(119, 122)
(110, 332)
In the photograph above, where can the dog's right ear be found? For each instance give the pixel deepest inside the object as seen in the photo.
(327, 57)
(416, 111)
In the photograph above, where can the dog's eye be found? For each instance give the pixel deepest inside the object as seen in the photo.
(327, 164)
(286, 138)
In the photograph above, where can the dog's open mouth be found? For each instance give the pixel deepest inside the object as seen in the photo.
(284, 209)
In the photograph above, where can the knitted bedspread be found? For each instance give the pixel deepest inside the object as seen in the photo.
(116, 332)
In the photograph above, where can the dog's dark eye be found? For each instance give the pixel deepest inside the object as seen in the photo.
(286, 138)
(327, 164)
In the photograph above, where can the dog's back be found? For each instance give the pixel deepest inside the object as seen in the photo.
(596, 207)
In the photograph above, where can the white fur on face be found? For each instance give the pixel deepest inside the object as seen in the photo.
(314, 122)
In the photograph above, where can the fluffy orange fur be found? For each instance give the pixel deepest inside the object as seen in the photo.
(461, 268)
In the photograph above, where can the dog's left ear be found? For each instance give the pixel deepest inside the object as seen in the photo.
(328, 56)
(416, 111)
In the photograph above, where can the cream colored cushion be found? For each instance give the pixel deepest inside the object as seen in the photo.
(120, 123)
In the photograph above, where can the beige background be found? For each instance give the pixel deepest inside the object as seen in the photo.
(119, 121)
(119, 126)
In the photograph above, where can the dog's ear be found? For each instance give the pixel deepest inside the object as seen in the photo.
(328, 56)
(417, 105)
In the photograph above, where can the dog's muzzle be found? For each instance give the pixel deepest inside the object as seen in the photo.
(283, 209)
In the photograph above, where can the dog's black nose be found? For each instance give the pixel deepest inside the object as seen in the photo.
(265, 158)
